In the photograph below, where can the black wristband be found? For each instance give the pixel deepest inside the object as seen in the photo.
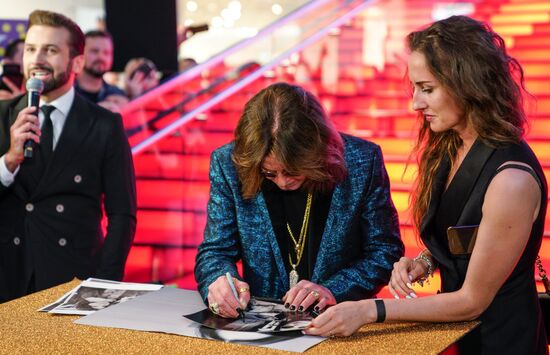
(380, 311)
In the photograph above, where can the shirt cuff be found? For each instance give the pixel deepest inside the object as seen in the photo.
(6, 177)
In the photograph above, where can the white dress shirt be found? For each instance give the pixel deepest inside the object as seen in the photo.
(58, 116)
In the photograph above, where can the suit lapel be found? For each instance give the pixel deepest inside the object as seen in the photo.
(461, 186)
(452, 201)
(78, 123)
(438, 187)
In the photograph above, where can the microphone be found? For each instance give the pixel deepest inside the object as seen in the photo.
(34, 87)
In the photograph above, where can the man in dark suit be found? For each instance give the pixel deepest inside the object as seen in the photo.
(51, 205)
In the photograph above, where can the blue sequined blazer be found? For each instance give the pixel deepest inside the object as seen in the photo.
(360, 243)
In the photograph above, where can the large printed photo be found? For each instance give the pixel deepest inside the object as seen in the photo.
(260, 316)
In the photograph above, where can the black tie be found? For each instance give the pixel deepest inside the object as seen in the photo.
(46, 140)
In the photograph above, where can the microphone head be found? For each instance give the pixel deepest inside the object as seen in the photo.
(35, 84)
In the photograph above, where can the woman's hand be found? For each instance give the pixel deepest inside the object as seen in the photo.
(343, 319)
(405, 272)
(305, 294)
(221, 300)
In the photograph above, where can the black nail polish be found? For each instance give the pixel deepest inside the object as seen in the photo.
(301, 309)
(287, 305)
(316, 308)
(293, 308)
(240, 312)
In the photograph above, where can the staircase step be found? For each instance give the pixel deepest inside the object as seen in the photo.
(529, 7)
(541, 149)
(366, 102)
(525, 1)
(533, 54)
(195, 141)
(217, 121)
(520, 18)
(542, 103)
(539, 128)
(515, 29)
(535, 68)
(172, 166)
(394, 146)
(170, 228)
(542, 28)
(173, 194)
(538, 86)
(533, 41)
(399, 123)
(149, 264)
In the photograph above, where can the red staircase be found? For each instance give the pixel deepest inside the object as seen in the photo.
(172, 174)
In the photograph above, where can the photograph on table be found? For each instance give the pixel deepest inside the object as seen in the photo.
(260, 316)
(93, 295)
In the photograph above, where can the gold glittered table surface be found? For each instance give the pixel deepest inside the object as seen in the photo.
(23, 330)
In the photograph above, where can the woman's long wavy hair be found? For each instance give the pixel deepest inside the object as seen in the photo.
(470, 62)
(288, 122)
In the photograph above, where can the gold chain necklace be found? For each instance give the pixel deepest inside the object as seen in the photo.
(299, 244)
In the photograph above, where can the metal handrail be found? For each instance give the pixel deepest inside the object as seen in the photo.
(196, 70)
(246, 80)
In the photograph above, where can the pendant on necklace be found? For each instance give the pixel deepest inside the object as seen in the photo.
(293, 278)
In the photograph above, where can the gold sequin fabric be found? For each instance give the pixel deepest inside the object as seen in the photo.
(23, 330)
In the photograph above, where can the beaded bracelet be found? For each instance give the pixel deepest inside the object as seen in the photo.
(430, 271)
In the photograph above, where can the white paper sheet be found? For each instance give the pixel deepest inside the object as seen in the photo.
(163, 310)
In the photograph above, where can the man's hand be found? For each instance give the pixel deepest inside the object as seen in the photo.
(25, 127)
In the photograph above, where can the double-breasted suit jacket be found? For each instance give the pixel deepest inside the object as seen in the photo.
(359, 245)
(50, 226)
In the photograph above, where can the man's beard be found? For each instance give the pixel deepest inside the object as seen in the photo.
(57, 80)
(94, 72)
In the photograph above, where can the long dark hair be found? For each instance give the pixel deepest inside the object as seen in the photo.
(288, 122)
(470, 61)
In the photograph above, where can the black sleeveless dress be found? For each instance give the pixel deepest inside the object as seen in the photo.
(513, 323)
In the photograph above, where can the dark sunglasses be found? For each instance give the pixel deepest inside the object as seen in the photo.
(270, 174)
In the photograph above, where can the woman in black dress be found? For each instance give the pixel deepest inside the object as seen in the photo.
(479, 202)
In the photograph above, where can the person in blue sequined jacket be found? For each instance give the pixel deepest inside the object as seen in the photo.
(307, 210)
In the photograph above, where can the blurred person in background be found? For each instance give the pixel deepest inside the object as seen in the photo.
(11, 70)
(98, 60)
(140, 76)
